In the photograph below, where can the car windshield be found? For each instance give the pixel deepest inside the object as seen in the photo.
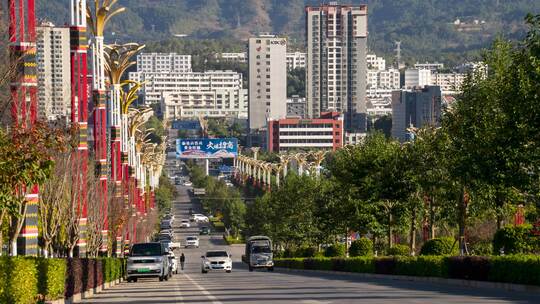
(261, 249)
(152, 249)
(191, 238)
(185, 221)
(213, 254)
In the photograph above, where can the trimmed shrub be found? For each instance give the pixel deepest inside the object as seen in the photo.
(440, 246)
(318, 264)
(468, 268)
(306, 252)
(518, 269)
(424, 266)
(514, 240)
(360, 264)
(336, 250)
(385, 265)
(51, 278)
(18, 280)
(361, 247)
(398, 250)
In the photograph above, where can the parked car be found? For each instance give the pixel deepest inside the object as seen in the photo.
(185, 224)
(173, 262)
(188, 184)
(204, 230)
(197, 217)
(146, 260)
(216, 260)
(192, 241)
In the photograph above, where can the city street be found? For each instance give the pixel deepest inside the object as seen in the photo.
(241, 286)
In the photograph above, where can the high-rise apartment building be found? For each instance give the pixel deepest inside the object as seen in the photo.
(415, 108)
(54, 72)
(163, 62)
(267, 80)
(336, 62)
(417, 78)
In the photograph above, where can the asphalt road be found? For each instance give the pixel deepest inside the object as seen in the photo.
(241, 286)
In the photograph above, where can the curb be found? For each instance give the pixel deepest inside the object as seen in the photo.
(442, 281)
(86, 294)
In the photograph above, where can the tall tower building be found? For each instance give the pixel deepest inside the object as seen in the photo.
(336, 62)
(267, 80)
(54, 72)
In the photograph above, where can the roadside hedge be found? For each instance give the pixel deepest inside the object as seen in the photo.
(517, 269)
(25, 280)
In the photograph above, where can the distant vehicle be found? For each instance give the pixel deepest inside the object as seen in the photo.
(168, 217)
(197, 217)
(146, 260)
(216, 260)
(199, 191)
(188, 184)
(185, 224)
(177, 182)
(229, 184)
(192, 241)
(165, 237)
(258, 253)
(166, 225)
(204, 230)
(173, 263)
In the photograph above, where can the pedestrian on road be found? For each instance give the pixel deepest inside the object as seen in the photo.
(182, 260)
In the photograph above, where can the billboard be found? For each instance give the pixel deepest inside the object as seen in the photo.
(186, 125)
(207, 148)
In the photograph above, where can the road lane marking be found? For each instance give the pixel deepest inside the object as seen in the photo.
(203, 290)
(178, 296)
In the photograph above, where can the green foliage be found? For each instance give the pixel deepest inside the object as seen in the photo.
(360, 264)
(481, 248)
(296, 82)
(335, 250)
(440, 246)
(398, 250)
(230, 240)
(423, 266)
(18, 280)
(218, 226)
(515, 240)
(361, 247)
(51, 277)
(306, 252)
(519, 269)
(156, 136)
(165, 194)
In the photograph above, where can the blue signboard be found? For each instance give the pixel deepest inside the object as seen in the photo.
(207, 148)
(186, 125)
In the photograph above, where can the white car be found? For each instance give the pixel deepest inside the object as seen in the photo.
(197, 217)
(185, 224)
(173, 263)
(192, 241)
(188, 184)
(216, 260)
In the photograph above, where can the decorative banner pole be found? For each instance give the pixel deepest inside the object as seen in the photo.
(79, 111)
(98, 21)
(23, 87)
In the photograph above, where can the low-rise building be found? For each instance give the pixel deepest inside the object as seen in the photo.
(232, 57)
(296, 134)
(433, 66)
(156, 84)
(296, 60)
(296, 106)
(375, 63)
(450, 83)
(417, 78)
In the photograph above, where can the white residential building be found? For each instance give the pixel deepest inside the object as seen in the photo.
(296, 60)
(53, 72)
(232, 57)
(383, 79)
(450, 83)
(208, 103)
(375, 63)
(417, 78)
(267, 80)
(162, 62)
(157, 84)
(434, 66)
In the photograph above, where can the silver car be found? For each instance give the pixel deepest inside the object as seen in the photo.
(147, 260)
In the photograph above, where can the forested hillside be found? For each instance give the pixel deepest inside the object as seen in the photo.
(425, 27)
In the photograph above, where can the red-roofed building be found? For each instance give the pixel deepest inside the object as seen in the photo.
(296, 134)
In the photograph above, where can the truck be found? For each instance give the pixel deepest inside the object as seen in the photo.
(258, 253)
(198, 192)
